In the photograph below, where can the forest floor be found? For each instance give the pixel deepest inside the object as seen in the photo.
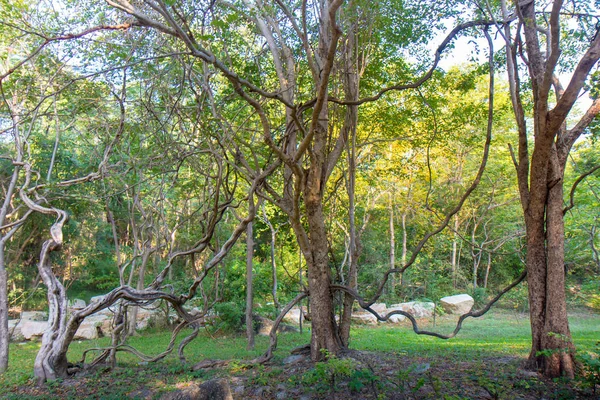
(386, 362)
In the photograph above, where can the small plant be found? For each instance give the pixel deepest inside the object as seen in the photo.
(590, 365)
(495, 389)
(231, 317)
(405, 381)
(361, 378)
(326, 374)
(480, 296)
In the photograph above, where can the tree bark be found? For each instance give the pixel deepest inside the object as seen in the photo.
(249, 287)
(4, 332)
(392, 242)
(541, 177)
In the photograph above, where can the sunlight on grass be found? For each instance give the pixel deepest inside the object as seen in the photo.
(499, 334)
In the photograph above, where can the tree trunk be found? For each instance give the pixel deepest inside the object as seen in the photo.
(274, 273)
(404, 249)
(140, 285)
(595, 255)
(273, 262)
(4, 332)
(324, 335)
(487, 270)
(392, 242)
(50, 363)
(455, 251)
(552, 349)
(249, 287)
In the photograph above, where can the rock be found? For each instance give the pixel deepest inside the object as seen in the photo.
(14, 329)
(396, 318)
(88, 332)
(293, 359)
(33, 329)
(365, 318)
(379, 308)
(96, 299)
(77, 304)
(421, 368)
(239, 390)
(34, 316)
(94, 327)
(147, 317)
(260, 392)
(264, 325)
(107, 326)
(458, 304)
(293, 316)
(281, 395)
(418, 309)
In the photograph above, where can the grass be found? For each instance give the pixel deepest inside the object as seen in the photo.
(499, 335)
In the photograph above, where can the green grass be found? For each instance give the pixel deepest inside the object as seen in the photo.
(499, 334)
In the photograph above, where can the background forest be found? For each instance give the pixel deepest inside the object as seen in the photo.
(179, 149)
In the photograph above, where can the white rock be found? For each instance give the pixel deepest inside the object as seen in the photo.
(379, 308)
(418, 309)
(458, 304)
(363, 317)
(31, 329)
(34, 315)
(14, 329)
(293, 316)
(96, 299)
(77, 304)
(87, 331)
(147, 317)
(94, 326)
(396, 318)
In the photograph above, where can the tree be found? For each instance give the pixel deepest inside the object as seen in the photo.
(541, 168)
(301, 87)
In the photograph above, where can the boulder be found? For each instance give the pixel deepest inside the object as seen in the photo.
(396, 318)
(147, 317)
(96, 299)
(418, 309)
(264, 325)
(379, 308)
(77, 304)
(14, 330)
(33, 329)
(364, 318)
(293, 316)
(34, 316)
(458, 304)
(94, 327)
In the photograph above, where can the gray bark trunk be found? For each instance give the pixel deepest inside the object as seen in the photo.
(4, 332)
(249, 287)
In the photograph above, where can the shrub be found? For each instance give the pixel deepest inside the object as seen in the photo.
(230, 317)
(590, 365)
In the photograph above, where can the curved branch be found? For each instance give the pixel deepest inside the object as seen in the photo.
(415, 326)
(574, 187)
(429, 73)
(472, 187)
